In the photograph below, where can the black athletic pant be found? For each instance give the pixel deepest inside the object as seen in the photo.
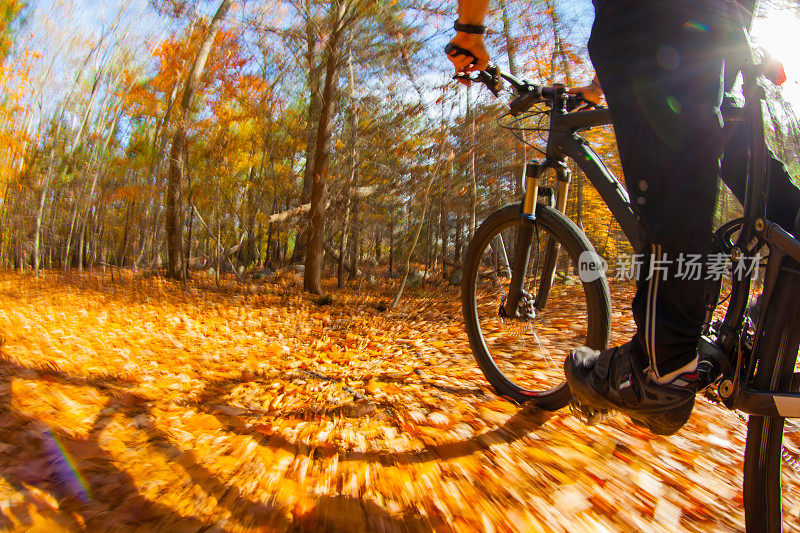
(660, 63)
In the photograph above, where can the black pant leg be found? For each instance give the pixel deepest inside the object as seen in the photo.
(660, 64)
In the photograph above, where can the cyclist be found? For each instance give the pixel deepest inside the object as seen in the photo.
(660, 64)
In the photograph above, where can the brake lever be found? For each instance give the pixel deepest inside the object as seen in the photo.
(492, 82)
(492, 79)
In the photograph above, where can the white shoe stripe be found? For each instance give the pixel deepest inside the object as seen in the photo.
(691, 366)
(655, 376)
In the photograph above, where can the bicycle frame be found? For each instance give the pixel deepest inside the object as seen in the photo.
(743, 397)
(756, 231)
(565, 142)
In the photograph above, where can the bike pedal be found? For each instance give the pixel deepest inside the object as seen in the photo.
(588, 415)
(710, 393)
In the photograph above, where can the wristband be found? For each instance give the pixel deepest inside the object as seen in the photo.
(475, 29)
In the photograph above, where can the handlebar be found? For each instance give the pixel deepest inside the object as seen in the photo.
(528, 94)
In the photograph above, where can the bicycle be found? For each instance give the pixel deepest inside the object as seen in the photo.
(513, 277)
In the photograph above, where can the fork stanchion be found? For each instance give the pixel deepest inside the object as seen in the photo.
(533, 174)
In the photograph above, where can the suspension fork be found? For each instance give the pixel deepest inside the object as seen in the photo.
(553, 247)
(527, 228)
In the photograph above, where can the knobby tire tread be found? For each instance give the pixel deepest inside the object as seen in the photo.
(762, 489)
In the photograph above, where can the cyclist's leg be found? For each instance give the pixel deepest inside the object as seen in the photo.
(661, 72)
(663, 83)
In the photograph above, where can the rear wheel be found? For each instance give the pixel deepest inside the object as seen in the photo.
(764, 486)
(523, 357)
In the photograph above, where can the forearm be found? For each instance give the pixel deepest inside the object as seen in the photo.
(472, 11)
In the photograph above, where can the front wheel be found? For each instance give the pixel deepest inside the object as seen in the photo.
(523, 357)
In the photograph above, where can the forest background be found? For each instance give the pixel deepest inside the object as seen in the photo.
(246, 137)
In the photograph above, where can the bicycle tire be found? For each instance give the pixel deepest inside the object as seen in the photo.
(597, 302)
(762, 489)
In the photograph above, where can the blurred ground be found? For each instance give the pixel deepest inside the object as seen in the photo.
(138, 405)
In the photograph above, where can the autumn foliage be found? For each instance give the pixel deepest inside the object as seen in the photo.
(13, 86)
(232, 400)
(133, 403)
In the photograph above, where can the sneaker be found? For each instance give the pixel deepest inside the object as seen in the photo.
(615, 380)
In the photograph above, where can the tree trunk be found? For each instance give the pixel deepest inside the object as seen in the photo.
(511, 48)
(312, 279)
(3, 256)
(558, 51)
(425, 196)
(377, 244)
(270, 230)
(174, 220)
(253, 207)
(42, 198)
(188, 257)
(67, 250)
(414, 240)
(355, 257)
(314, 109)
(95, 176)
(218, 244)
(123, 249)
(457, 249)
(473, 178)
(85, 220)
(351, 182)
(157, 202)
(343, 246)
(391, 242)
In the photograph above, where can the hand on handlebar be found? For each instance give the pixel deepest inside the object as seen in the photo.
(592, 93)
(474, 56)
(527, 93)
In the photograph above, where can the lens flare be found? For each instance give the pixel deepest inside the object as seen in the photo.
(674, 104)
(668, 57)
(694, 25)
(64, 467)
(777, 33)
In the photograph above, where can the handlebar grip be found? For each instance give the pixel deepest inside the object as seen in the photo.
(549, 93)
(454, 49)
